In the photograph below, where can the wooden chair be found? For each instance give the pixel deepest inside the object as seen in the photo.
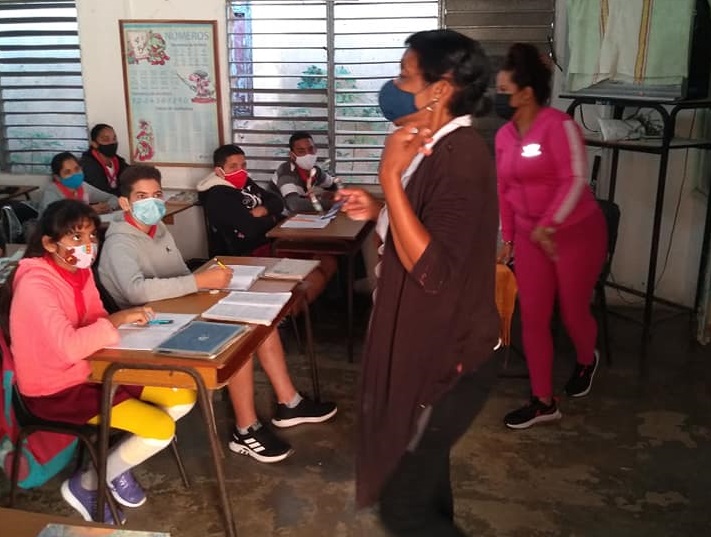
(506, 292)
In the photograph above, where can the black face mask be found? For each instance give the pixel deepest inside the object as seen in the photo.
(108, 150)
(502, 107)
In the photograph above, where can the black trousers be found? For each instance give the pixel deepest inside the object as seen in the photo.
(417, 500)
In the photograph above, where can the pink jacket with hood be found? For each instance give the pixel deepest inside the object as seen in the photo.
(542, 176)
(49, 341)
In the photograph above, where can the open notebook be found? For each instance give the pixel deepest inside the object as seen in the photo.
(305, 221)
(248, 307)
(146, 338)
(291, 269)
(243, 276)
(201, 339)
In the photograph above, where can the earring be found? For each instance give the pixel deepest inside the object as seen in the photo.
(429, 107)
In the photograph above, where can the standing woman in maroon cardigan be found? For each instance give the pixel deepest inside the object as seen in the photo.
(101, 164)
(426, 367)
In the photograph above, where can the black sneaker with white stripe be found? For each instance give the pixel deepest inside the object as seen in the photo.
(582, 378)
(536, 411)
(260, 443)
(307, 411)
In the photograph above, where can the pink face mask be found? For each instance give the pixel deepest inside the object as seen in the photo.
(81, 257)
(237, 179)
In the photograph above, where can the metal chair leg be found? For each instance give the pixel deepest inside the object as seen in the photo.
(15, 475)
(310, 351)
(95, 461)
(179, 461)
(297, 335)
(602, 302)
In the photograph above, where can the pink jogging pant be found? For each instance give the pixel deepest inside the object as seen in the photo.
(581, 250)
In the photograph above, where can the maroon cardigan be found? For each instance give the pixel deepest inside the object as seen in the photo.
(437, 322)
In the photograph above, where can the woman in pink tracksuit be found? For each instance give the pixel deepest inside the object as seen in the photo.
(550, 217)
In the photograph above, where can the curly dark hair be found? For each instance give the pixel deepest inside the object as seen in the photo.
(461, 59)
(528, 69)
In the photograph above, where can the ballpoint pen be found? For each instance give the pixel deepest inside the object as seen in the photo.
(221, 264)
(154, 322)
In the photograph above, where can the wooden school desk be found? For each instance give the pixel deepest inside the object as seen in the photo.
(9, 192)
(342, 236)
(17, 523)
(174, 207)
(143, 368)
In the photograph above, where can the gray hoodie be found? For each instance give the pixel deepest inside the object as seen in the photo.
(51, 193)
(135, 268)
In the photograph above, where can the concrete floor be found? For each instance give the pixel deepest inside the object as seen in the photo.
(630, 459)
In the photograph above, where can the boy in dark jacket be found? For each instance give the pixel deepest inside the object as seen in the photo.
(238, 209)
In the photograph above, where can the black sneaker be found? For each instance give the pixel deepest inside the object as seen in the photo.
(581, 381)
(534, 412)
(261, 444)
(307, 411)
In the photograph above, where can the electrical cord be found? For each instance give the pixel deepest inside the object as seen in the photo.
(620, 294)
(678, 205)
(671, 233)
(582, 120)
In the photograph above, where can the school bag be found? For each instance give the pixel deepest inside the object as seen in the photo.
(17, 221)
(44, 454)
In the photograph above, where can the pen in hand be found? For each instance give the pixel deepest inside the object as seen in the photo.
(221, 264)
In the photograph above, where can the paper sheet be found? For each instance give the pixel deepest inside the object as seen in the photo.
(246, 307)
(306, 221)
(243, 276)
(146, 338)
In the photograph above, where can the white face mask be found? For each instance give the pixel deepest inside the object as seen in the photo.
(306, 162)
(81, 257)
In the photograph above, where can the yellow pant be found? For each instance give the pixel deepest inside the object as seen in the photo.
(149, 417)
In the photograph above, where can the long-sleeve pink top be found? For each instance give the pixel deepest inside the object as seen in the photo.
(542, 176)
(49, 341)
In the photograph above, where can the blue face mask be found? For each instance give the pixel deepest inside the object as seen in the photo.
(394, 102)
(74, 181)
(148, 211)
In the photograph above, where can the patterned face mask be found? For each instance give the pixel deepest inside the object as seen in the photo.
(81, 257)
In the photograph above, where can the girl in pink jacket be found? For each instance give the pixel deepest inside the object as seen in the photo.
(56, 320)
(550, 217)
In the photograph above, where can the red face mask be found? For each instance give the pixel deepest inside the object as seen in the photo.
(237, 179)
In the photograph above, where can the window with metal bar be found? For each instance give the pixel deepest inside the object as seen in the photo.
(41, 93)
(317, 65)
(497, 24)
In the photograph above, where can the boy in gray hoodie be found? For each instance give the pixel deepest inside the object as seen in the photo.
(141, 263)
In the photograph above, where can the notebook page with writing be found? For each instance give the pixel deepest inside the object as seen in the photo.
(305, 221)
(243, 276)
(146, 338)
(291, 269)
(248, 307)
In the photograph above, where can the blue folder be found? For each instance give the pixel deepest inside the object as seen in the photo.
(200, 339)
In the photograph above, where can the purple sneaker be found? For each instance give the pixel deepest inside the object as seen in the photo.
(127, 491)
(84, 501)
